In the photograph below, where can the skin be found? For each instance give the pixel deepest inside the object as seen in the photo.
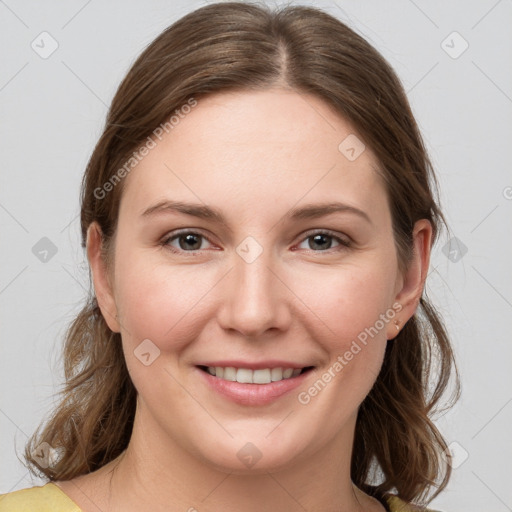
(254, 156)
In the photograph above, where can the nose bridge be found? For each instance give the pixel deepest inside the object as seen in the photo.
(256, 302)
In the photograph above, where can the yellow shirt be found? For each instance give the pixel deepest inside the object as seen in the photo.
(51, 498)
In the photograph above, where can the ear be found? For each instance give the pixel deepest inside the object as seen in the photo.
(102, 286)
(411, 284)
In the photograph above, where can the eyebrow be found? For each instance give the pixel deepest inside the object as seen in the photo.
(310, 211)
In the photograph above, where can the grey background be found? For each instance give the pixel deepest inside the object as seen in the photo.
(52, 111)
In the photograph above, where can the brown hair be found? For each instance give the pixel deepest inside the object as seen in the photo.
(241, 46)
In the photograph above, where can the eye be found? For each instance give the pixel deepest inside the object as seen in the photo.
(322, 241)
(188, 241)
(191, 241)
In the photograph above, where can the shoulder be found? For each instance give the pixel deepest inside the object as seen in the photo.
(397, 505)
(45, 498)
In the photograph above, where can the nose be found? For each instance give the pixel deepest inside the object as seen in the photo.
(255, 300)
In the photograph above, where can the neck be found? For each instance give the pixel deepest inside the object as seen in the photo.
(143, 477)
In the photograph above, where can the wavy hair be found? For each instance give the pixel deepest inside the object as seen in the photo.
(243, 46)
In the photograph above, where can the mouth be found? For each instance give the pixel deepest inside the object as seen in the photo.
(248, 386)
(254, 376)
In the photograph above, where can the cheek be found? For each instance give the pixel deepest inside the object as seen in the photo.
(354, 306)
(349, 302)
(160, 303)
(164, 306)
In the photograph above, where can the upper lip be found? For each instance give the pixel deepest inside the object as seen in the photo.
(256, 365)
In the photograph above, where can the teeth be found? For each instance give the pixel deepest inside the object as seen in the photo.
(276, 374)
(248, 376)
(261, 376)
(229, 373)
(244, 375)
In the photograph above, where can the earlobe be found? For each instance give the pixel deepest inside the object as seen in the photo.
(102, 287)
(413, 280)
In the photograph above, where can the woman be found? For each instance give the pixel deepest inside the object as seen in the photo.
(258, 216)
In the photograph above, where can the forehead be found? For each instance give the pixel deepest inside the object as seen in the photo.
(255, 150)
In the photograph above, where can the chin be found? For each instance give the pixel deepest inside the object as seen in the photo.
(250, 460)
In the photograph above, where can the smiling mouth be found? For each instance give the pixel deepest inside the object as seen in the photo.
(248, 376)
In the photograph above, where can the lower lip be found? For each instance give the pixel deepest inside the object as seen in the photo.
(253, 394)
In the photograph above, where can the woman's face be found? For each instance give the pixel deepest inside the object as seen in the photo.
(266, 287)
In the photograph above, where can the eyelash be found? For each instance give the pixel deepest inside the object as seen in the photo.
(344, 244)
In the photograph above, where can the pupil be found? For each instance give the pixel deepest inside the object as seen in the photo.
(320, 237)
(190, 240)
